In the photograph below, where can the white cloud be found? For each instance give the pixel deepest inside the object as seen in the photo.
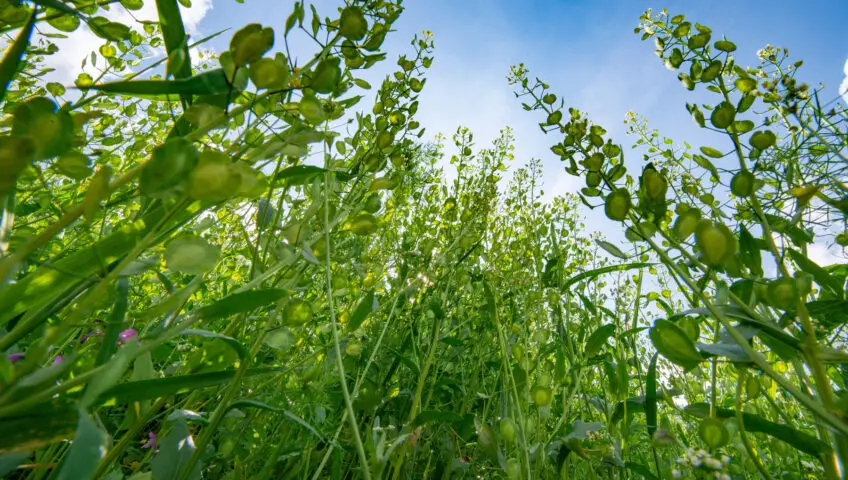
(80, 43)
(843, 89)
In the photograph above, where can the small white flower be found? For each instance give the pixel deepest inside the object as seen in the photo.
(676, 474)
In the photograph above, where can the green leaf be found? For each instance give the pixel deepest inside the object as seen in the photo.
(240, 302)
(111, 375)
(41, 425)
(288, 414)
(174, 34)
(641, 470)
(673, 343)
(598, 339)
(365, 307)
(161, 387)
(212, 82)
(711, 152)
(731, 351)
(87, 448)
(651, 397)
(10, 461)
(175, 450)
(612, 249)
(12, 59)
(756, 424)
(240, 349)
(601, 271)
(436, 416)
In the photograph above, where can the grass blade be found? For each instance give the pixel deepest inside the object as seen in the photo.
(12, 59)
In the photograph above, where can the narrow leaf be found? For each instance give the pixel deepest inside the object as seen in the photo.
(365, 307)
(754, 423)
(240, 349)
(598, 339)
(212, 82)
(12, 59)
(240, 303)
(603, 270)
(651, 397)
(86, 450)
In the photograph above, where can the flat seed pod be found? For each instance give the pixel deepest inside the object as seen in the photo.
(362, 224)
(214, 178)
(713, 432)
(506, 428)
(269, 73)
(686, 223)
(74, 164)
(352, 24)
(554, 117)
(742, 184)
(656, 185)
(542, 395)
(297, 312)
(250, 43)
(192, 255)
(763, 139)
(593, 179)
(673, 343)
(373, 203)
(716, 242)
(326, 76)
(51, 129)
(745, 84)
(723, 116)
(725, 46)
(513, 469)
(617, 205)
(595, 162)
(311, 109)
(783, 293)
(169, 164)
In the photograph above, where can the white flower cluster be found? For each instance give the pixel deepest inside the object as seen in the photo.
(703, 461)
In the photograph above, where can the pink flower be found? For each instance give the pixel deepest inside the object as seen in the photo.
(127, 335)
(151, 441)
(58, 359)
(14, 357)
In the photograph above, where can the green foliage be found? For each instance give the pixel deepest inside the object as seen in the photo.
(204, 276)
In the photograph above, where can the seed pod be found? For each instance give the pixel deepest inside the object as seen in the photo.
(513, 469)
(74, 164)
(326, 76)
(362, 224)
(297, 312)
(723, 116)
(595, 162)
(593, 179)
(763, 140)
(169, 164)
(713, 433)
(617, 205)
(372, 203)
(655, 184)
(507, 429)
(716, 242)
(352, 24)
(250, 43)
(742, 184)
(783, 293)
(542, 395)
(213, 178)
(272, 74)
(192, 255)
(311, 109)
(686, 223)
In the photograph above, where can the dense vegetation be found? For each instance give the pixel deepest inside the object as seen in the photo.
(230, 267)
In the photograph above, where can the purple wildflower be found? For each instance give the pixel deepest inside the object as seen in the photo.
(14, 357)
(151, 441)
(58, 359)
(89, 334)
(127, 335)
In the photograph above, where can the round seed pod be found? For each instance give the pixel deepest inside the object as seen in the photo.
(326, 76)
(716, 242)
(686, 223)
(783, 293)
(362, 224)
(214, 178)
(507, 429)
(617, 205)
(353, 25)
(742, 184)
(297, 312)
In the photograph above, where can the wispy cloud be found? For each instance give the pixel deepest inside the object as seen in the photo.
(843, 88)
(80, 43)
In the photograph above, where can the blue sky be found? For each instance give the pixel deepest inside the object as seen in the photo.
(586, 50)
